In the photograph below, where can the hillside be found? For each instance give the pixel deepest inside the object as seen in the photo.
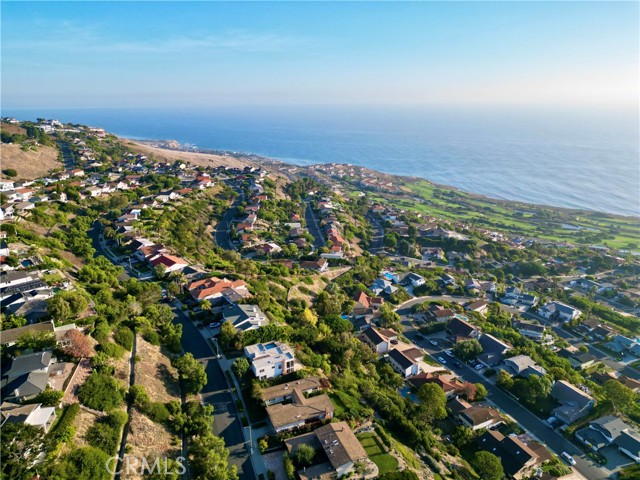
(30, 164)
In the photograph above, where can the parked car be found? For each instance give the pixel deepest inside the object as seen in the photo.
(457, 364)
(433, 342)
(214, 325)
(479, 366)
(568, 458)
(442, 360)
(449, 352)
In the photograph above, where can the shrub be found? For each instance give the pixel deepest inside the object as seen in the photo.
(112, 350)
(124, 336)
(152, 337)
(10, 172)
(157, 412)
(101, 392)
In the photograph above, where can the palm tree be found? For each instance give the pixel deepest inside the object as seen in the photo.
(205, 306)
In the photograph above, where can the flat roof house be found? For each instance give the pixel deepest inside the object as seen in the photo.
(270, 360)
(34, 414)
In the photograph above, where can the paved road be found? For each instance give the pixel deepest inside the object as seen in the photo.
(312, 225)
(94, 234)
(376, 244)
(222, 237)
(550, 438)
(216, 393)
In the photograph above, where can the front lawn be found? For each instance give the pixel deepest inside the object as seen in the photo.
(385, 462)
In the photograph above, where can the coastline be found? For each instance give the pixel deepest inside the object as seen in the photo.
(214, 158)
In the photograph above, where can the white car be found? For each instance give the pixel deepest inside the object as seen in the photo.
(442, 360)
(434, 343)
(568, 458)
(214, 325)
(449, 352)
(479, 366)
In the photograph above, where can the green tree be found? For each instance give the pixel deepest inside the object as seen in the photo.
(462, 435)
(159, 271)
(240, 367)
(49, 397)
(191, 373)
(82, 463)
(205, 306)
(58, 308)
(209, 459)
(467, 349)
(227, 335)
(433, 401)
(20, 445)
(481, 391)
(621, 396)
(504, 380)
(487, 466)
(36, 341)
(388, 317)
(303, 456)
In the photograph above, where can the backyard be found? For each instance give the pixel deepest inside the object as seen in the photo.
(374, 448)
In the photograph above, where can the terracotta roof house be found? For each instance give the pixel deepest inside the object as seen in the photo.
(170, 262)
(450, 384)
(213, 288)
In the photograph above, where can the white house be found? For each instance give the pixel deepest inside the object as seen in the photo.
(270, 360)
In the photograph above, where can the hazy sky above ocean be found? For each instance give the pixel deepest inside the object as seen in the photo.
(536, 101)
(168, 54)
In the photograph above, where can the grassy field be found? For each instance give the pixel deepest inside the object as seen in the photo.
(385, 462)
(344, 402)
(516, 218)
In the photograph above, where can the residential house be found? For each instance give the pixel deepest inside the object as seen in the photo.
(460, 327)
(320, 265)
(559, 311)
(214, 289)
(493, 350)
(34, 414)
(477, 417)
(579, 360)
(451, 385)
(532, 331)
(380, 340)
(341, 448)
(402, 363)
(301, 411)
(244, 317)
(517, 459)
(9, 337)
(270, 360)
(574, 402)
(611, 430)
(27, 377)
(479, 306)
(171, 263)
(284, 392)
(524, 366)
(414, 280)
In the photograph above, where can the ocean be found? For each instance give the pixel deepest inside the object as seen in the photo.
(571, 158)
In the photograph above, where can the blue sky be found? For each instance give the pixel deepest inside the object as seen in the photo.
(97, 54)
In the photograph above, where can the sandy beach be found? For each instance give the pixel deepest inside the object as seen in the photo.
(199, 159)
